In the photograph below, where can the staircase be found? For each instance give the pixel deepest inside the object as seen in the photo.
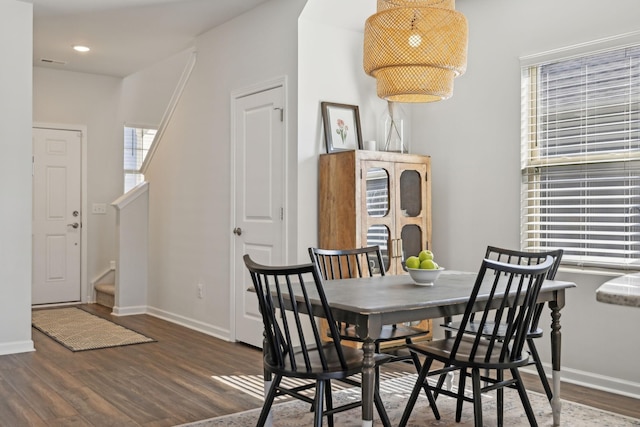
(105, 294)
(105, 288)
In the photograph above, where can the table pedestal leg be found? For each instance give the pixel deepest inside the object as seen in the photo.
(556, 403)
(368, 383)
(556, 339)
(268, 379)
(267, 386)
(448, 381)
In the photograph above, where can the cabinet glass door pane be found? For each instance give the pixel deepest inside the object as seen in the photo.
(377, 192)
(379, 235)
(411, 241)
(410, 193)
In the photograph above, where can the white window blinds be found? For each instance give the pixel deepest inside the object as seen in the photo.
(137, 142)
(581, 158)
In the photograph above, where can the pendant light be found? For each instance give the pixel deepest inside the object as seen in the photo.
(415, 48)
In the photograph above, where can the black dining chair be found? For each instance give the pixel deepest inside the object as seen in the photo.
(293, 344)
(361, 262)
(524, 258)
(503, 294)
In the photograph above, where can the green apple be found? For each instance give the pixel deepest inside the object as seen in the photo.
(428, 264)
(424, 255)
(413, 262)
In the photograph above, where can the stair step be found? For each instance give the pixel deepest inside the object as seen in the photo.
(106, 288)
(105, 294)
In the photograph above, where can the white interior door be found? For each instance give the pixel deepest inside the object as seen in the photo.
(57, 217)
(259, 199)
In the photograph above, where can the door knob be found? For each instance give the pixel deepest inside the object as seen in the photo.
(74, 225)
(237, 231)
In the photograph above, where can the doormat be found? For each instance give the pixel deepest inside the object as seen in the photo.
(79, 330)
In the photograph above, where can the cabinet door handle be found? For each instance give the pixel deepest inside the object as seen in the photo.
(396, 248)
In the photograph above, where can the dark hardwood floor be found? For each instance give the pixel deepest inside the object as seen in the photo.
(156, 384)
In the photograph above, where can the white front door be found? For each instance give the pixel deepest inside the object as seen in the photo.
(57, 217)
(259, 199)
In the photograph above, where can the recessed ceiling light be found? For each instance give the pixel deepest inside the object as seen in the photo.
(80, 48)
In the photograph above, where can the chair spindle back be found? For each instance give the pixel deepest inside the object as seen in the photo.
(290, 333)
(508, 297)
(527, 258)
(348, 263)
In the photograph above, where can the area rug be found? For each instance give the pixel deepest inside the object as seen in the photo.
(253, 385)
(395, 394)
(79, 330)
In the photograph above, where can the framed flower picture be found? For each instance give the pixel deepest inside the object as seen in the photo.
(341, 127)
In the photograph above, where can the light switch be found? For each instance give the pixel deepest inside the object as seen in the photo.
(99, 208)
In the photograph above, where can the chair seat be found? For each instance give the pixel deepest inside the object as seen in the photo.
(334, 369)
(441, 350)
(388, 333)
(472, 328)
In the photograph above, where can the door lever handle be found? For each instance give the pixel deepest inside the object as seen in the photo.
(74, 225)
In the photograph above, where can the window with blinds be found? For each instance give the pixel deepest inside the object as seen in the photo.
(137, 141)
(581, 158)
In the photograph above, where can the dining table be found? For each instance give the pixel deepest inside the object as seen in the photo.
(370, 303)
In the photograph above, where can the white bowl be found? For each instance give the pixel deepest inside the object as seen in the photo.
(424, 277)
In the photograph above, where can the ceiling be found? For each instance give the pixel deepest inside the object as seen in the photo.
(125, 36)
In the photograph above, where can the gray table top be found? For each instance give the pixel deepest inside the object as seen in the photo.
(398, 292)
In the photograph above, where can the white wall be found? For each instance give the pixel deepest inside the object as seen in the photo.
(68, 98)
(474, 141)
(329, 69)
(190, 225)
(132, 260)
(146, 94)
(15, 176)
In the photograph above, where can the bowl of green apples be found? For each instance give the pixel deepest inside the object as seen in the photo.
(424, 271)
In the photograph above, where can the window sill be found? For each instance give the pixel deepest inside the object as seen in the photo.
(597, 271)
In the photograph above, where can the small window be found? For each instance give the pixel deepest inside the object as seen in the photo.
(137, 141)
(581, 158)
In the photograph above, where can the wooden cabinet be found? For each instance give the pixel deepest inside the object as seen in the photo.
(375, 198)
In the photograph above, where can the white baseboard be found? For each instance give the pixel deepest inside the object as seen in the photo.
(16, 347)
(196, 325)
(593, 380)
(129, 311)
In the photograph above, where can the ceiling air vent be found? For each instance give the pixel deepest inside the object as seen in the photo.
(52, 61)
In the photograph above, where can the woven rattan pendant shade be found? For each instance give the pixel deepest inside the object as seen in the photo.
(415, 48)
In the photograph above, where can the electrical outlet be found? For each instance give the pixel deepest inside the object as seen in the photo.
(200, 291)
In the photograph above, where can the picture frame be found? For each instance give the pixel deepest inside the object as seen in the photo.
(342, 130)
